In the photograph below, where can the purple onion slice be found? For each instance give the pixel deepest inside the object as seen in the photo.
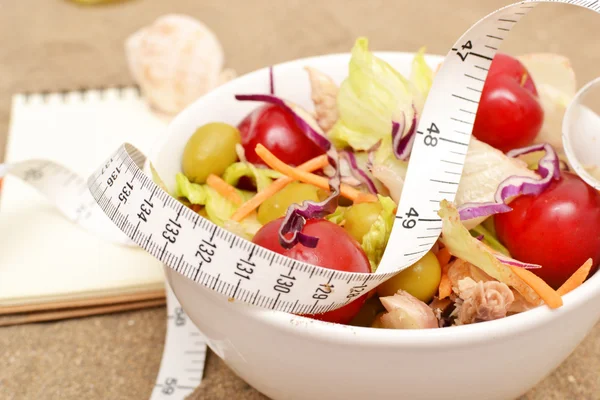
(476, 210)
(402, 145)
(397, 129)
(513, 186)
(548, 169)
(297, 215)
(406, 143)
(271, 81)
(357, 172)
(515, 263)
(373, 151)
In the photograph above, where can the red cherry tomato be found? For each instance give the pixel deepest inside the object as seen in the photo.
(275, 128)
(559, 229)
(336, 250)
(509, 115)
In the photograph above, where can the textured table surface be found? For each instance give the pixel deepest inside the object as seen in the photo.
(54, 44)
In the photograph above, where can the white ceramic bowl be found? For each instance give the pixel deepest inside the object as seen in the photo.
(289, 357)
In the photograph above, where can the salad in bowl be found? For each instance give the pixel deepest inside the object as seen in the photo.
(485, 322)
(322, 187)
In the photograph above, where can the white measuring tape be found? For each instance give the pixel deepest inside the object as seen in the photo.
(238, 269)
(182, 365)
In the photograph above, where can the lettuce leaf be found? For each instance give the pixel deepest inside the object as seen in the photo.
(218, 208)
(421, 78)
(349, 174)
(262, 177)
(246, 228)
(338, 215)
(375, 240)
(462, 245)
(489, 239)
(388, 170)
(193, 192)
(373, 95)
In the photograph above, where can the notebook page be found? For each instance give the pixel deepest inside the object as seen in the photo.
(43, 256)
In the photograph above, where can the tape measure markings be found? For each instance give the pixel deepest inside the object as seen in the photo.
(182, 364)
(442, 126)
(179, 222)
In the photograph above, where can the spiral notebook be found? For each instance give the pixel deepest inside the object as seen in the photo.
(47, 262)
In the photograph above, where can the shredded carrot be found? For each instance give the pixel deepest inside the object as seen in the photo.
(445, 288)
(576, 279)
(444, 257)
(224, 189)
(549, 295)
(249, 206)
(321, 182)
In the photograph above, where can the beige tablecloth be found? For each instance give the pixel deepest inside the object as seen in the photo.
(54, 44)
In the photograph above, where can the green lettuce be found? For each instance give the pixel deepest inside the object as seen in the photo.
(218, 208)
(374, 95)
(375, 240)
(388, 170)
(421, 79)
(421, 75)
(462, 245)
(489, 239)
(338, 215)
(246, 228)
(195, 193)
(262, 177)
(385, 156)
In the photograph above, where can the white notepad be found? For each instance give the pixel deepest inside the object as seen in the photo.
(43, 257)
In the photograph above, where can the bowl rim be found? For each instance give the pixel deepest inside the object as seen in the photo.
(372, 337)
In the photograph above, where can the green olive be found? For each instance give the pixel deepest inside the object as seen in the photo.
(421, 279)
(210, 150)
(360, 217)
(276, 205)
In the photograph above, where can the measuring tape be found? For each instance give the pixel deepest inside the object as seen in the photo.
(148, 217)
(182, 365)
